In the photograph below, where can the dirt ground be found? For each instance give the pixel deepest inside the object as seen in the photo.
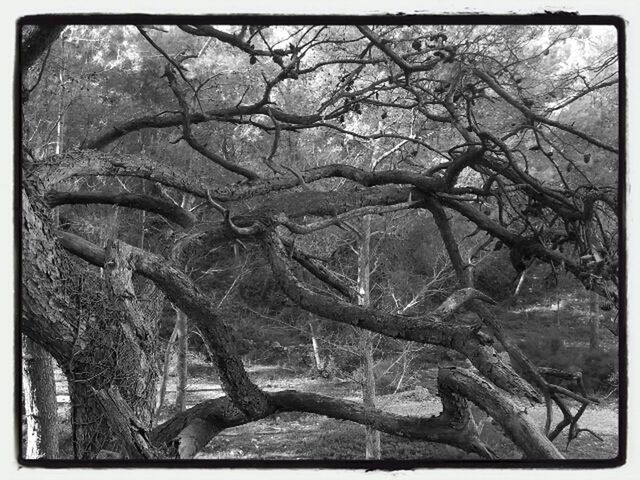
(310, 436)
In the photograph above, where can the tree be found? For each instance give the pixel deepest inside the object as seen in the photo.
(40, 407)
(473, 121)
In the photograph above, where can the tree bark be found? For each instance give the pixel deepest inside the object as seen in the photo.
(41, 407)
(82, 331)
(117, 349)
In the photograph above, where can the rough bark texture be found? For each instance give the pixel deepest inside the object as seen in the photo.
(125, 424)
(46, 275)
(65, 310)
(40, 406)
(514, 420)
(256, 403)
(105, 348)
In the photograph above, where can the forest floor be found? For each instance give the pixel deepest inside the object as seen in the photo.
(309, 436)
(296, 435)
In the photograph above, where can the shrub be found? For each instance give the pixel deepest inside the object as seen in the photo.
(495, 274)
(555, 344)
(599, 368)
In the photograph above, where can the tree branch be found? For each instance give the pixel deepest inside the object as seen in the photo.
(36, 42)
(168, 210)
(537, 117)
(187, 135)
(183, 294)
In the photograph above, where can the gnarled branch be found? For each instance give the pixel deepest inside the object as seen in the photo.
(168, 210)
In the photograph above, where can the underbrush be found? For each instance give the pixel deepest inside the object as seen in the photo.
(599, 367)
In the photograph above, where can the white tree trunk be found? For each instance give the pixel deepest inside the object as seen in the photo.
(316, 348)
(165, 371)
(40, 405)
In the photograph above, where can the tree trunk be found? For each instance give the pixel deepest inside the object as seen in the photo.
(314, 345)
(521, 279)
(117, 347)
(183, 346)
(165, 370)
(594, 323)
(40, 405)
(366, 338)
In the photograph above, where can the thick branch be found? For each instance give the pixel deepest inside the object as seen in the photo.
(172, 119)
(428, 329)
(423, 329)
(91, 162)
(516, 423)
(167, 209)
(453, 426)
(36, 43)
(466, 159)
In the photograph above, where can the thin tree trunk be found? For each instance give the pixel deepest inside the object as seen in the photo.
(181, 326)
(594, 323)
(520, 282)
(366, 338)
(142, 222)
(165, 370)
(60, 125)
(40, 405)
(316, 349)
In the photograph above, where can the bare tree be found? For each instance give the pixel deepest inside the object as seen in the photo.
(479, 164)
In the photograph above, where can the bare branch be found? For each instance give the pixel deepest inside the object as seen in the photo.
(148, 203)
(534, 116)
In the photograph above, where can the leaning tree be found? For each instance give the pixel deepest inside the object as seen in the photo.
(276, 132)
